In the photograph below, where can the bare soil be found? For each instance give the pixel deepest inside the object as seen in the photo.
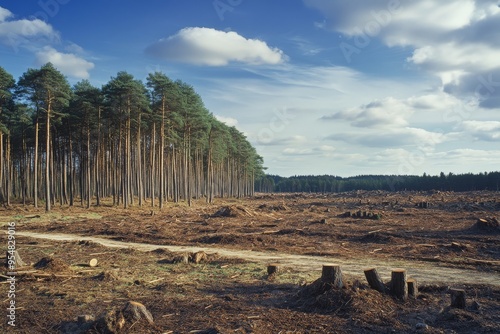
(142, 254)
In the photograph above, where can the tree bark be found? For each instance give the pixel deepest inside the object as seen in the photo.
(374, 280)
(412, 288)
(47, 157)
(399, 286)
(332, 274)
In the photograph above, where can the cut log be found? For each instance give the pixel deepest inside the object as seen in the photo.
(399, 286)
(457, 298)
(412, 288)
(272, 269)
(332, 274)
(93, 263)
(374, 280)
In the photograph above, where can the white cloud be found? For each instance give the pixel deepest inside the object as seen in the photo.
(4, 14)
(206, 46)
(391, 138)
(483, 130)
(297, 151)
(455, 40)
(389, 112)
(68, 63)
(326, 148)
(229, 121)
(21, 32)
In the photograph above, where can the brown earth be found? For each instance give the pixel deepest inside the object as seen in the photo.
(443, 246)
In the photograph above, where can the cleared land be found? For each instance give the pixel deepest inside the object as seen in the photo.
(435, 236)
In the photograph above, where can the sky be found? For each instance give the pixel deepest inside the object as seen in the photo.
(318, 86)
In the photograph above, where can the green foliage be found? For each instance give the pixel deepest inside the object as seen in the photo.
(121, 140)
(329, 183)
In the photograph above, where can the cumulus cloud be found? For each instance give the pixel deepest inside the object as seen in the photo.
(68, 63)
(455, 40)
(20, 32)
(206, 46)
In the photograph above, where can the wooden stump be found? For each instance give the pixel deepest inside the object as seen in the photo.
(93, 263)
(374, 280)
(332, 274)
(399, 286)
(272, 269)
(412, 288)
(457, 298)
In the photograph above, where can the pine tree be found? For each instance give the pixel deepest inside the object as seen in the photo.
(49, 92)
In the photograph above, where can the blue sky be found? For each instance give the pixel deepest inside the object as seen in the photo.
(318, 86)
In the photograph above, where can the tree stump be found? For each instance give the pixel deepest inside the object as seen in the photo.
(374, 280)
(412, 288)
(457, 298)
(93, 263)
(272, 269)
(332, 274)
(399, 286)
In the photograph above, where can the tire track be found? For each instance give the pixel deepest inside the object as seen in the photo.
(424, 272)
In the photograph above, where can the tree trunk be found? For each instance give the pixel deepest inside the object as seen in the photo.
(88, 178)
(140, 186)
(35, 167)
(47, 158)
(153, 166)
(8, 178)
(97, 154)
(374, 280)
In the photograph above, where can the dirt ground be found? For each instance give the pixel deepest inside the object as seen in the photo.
(435, 236)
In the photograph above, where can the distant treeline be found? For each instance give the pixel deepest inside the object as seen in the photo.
(335, 184)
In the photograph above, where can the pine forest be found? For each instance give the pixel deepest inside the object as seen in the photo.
(130, 142)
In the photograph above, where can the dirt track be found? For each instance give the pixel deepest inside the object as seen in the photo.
(425, 272)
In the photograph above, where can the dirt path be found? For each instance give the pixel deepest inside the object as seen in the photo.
(424, 272)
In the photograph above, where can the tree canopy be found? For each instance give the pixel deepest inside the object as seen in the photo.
(335, 184)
